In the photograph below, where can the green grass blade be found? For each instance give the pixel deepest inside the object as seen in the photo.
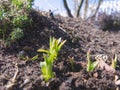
(94, 65)
(43, 67)
(61, 44)
(88, 61)
(114, 62)
(42, 50)
(34, 58)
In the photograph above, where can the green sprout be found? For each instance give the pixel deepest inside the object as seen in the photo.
(34, 58)
(72, 63)
(49, 57)
(114, 62)
(91, 65)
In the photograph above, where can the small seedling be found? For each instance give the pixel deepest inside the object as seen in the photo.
(49, 57)
(34, 58)
(22, 55)
(91, 65)
(72, 63)
(114, 62)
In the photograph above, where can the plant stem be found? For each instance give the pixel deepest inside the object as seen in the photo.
(88, 59)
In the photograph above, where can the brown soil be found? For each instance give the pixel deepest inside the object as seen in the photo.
(80, 37)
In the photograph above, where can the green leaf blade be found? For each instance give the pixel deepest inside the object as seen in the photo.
(42, 50)
(34, 58)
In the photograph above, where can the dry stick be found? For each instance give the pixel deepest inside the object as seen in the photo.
(12, 82)
(62, 29)
(16, 73)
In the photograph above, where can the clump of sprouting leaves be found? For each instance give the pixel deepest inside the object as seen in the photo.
(50, 56)
(91, 65)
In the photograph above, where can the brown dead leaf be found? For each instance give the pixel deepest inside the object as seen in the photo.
(117, 82)
(105, 66)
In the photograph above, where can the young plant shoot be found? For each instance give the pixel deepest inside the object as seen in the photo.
(50, 56)
(91, 65)
(114, 61)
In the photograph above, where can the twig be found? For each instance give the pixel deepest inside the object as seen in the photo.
(12, 81)
(62, 29)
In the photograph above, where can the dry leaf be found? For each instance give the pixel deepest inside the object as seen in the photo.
(105, 66)
(117, 82)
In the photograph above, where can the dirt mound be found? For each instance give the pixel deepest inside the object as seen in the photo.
(80, 36)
